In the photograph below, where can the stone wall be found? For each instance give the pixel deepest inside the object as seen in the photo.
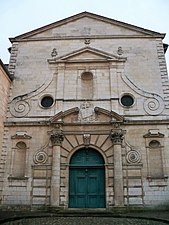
(4, 92)
(45, 181)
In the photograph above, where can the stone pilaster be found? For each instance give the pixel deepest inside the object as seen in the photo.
(56, 139)
(117, 138)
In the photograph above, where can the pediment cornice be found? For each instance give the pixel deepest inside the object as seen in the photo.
(89, 15)
(60, 115)
(113, 115)
(94, 55)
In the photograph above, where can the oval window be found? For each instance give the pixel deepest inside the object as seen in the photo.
(47, 101)
(127, 100)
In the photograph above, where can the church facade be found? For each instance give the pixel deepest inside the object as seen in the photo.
(87, 124)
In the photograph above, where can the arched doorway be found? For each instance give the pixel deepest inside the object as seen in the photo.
(87, 179)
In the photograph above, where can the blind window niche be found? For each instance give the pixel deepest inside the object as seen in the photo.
(87, 85)
(155, 159)
(19, 164)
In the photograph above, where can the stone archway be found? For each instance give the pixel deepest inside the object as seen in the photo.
(87, 179)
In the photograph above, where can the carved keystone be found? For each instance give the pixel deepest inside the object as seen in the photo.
(86, 139)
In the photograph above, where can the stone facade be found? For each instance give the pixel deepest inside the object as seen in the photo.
(91, 84)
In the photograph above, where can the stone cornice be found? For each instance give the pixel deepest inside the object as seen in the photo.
(152, 135)
(84, 37)
(48, 123)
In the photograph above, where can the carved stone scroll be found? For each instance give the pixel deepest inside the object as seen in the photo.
(19, 107)
(153, 103)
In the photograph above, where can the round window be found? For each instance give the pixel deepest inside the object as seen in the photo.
(47, 101)
(127, 100)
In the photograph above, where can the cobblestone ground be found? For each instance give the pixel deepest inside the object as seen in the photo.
(83, 221)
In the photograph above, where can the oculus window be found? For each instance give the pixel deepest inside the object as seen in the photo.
(127, 100)
(47, 101)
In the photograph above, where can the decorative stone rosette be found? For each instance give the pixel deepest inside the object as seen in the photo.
(40, 157)
(133, 157)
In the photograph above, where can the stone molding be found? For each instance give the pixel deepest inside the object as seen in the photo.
(60, 115)
(113, 115)
(153, 135)
(21, 135)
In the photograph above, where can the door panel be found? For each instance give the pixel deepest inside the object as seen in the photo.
(87, 188)
(77, 188)
(96, 188)
(87, 184)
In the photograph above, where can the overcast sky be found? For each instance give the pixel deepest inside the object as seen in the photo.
(20, 16)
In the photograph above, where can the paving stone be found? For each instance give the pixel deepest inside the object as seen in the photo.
(83, 221)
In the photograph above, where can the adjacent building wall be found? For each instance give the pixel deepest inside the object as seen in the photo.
(5, 82)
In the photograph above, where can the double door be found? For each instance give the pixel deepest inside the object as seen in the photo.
(87, 187)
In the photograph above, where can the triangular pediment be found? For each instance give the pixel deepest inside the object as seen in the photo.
(86, 24)
(77, 115)
(87, 54)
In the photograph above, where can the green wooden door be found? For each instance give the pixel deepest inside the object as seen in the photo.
(87, 180)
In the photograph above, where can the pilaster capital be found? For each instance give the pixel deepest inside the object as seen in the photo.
(117, 136)
(56, 137)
